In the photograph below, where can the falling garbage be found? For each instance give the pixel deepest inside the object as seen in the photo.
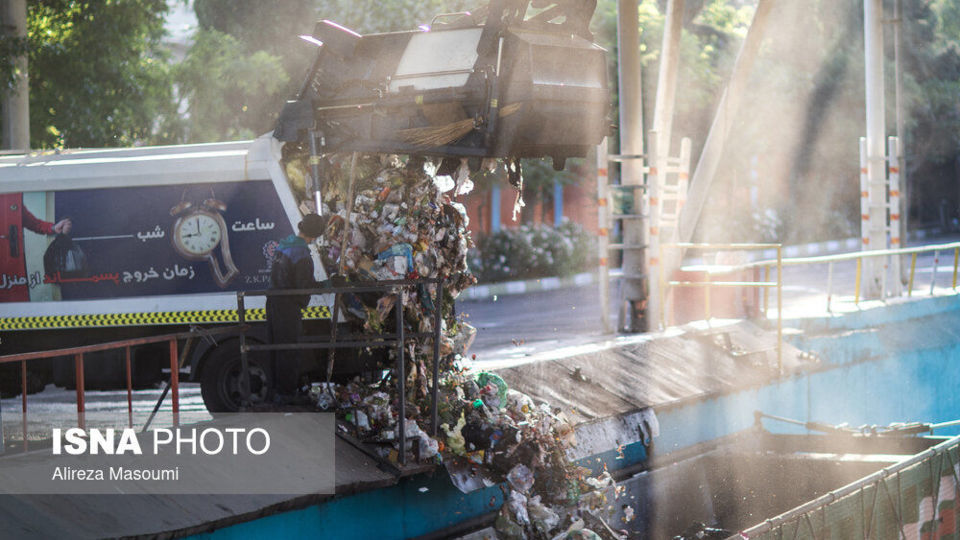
(404, 224)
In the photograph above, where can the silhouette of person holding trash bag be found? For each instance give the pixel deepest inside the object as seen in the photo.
(291, 268)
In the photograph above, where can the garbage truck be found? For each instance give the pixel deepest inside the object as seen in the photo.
(160, 239)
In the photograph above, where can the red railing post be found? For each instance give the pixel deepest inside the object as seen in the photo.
(129, 390)
(175, 382)
(23, 394)
(78, 352)
(81, 403)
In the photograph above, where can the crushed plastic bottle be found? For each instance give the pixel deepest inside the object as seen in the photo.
(520, 478)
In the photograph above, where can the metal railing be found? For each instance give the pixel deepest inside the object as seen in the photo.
(78, 353)
(779, 263)
(858, 256)
(395, 339)
(708, 284)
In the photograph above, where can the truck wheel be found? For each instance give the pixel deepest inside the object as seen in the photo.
(220, 382)
(36, 382)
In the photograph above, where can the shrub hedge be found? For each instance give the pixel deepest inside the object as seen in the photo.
(533, 251)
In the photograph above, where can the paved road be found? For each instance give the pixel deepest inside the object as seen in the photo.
(517, 321)
(518, 325)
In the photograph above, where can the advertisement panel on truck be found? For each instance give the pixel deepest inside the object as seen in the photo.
(140, 237)
(140, 241)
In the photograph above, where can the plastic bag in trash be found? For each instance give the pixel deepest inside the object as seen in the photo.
(455, 441)
(565, 431)
(582, 534)
(462, 341)
(600, 482)
(577, 531)
(493, 390)
(518, 507)
(428, 446)
(543, 519)
(507, 528)
(519, 404)
(400, 257)
(322, 394)
(520, 478)
(325, 401)
(378, 408)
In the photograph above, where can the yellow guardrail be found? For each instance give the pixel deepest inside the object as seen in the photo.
(708, 284)
(859, 256)
(779, 263)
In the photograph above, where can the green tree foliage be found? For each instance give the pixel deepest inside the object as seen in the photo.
(272, 26)
(227, 92)
(98, 76)
(245, 61)
(804, 113)
(931, 46)
(948, 13)
(10, 49)
(369, 16)
(259, 25)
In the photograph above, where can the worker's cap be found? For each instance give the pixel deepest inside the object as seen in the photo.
(312, 225)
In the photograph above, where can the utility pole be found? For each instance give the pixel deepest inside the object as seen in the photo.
(667, 74)
(631, 143)
(898, 77)
(874, 212)
(15, 110)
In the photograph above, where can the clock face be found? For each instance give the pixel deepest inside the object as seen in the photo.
(198, 234)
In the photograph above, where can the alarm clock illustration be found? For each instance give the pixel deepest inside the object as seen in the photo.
(197, 233)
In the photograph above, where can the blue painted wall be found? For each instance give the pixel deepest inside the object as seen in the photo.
(557, 203)
(399, 511)
(495, 208)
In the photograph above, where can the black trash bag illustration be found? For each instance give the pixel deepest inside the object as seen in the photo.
(65, 257)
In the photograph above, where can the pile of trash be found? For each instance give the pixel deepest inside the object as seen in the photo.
(404, 223)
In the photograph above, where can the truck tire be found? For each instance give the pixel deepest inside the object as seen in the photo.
(220, 379)
(10, 386)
